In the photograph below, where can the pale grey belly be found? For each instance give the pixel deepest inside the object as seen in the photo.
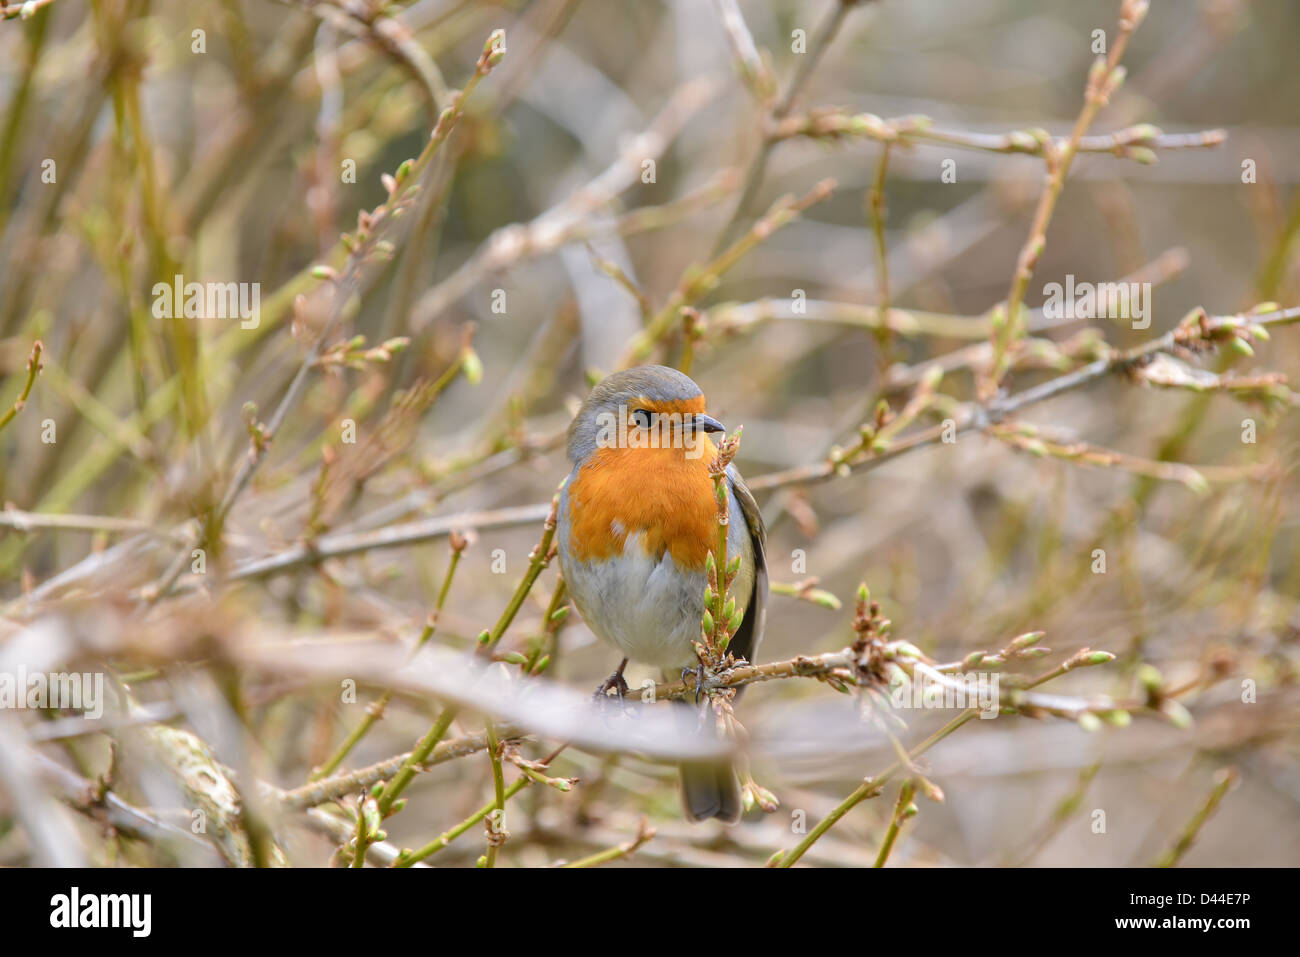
(646, 607)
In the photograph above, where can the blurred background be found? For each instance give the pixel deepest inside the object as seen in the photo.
(610, 157)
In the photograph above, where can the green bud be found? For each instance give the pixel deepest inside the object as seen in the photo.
(1150, 678)
(765, 798)
(1089, 722)
(1023, 141)
(1145, 132)
(1195, 481)
(825, 599)
(370, 815)
(1027, 639)
(1178, 716)
(930, 789)
(472, 366)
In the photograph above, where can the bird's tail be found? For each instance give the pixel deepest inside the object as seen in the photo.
(711, 790)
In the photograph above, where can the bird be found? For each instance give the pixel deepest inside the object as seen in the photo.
(636, 521)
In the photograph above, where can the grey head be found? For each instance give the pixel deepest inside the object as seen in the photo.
(648, 385)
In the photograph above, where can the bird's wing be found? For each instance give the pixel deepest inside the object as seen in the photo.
(744, 644)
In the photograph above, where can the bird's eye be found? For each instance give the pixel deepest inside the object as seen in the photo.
(641, 418)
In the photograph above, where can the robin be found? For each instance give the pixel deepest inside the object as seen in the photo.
(637, 519)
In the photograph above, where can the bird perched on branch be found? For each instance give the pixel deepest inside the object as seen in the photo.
(637, 521)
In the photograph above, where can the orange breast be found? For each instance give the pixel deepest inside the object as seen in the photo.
(657, 492)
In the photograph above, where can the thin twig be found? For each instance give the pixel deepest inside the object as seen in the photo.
(808, 62)
(1104, 78)
(33, 370)
(1224, 781)
(345, 286)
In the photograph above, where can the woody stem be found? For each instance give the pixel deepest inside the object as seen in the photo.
(719, 636)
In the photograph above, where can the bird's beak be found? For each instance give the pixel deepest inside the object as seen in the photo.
(706, 423)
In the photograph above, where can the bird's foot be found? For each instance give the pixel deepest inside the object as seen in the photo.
(697, 679)
(709, 679)
(615, 683)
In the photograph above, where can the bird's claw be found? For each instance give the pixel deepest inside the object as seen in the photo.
(615, 683)
(697, 675)
(618, 685)
(708, 680)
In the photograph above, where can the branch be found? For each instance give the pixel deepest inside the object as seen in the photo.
(1202, 331)
(1104, 78)
(644, 834)
(33, 370)
(696, 281)
(825, 36)
(567, 222)
(1225, 780)
(366, 245)
(1140, 142)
